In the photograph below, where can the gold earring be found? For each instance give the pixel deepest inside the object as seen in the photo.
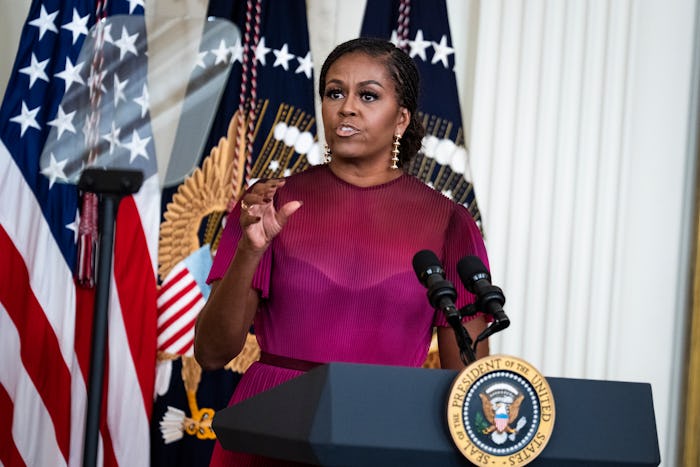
(395, 152)
(327, 155)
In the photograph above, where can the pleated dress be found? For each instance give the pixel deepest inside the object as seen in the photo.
(338, 285)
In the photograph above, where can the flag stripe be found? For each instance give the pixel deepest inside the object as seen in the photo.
(135, 272)
(182, 307)
(186, 349)
(173, 291)
(169, 310)
(9, 455)
(32, 432)
(50, 277)
(176, 275)
(132, 355)
(37, 340)
(185, 326)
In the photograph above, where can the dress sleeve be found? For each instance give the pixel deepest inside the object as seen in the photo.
(227, 246)
(462, 238)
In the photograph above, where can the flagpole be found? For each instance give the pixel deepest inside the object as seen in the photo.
(111, 186)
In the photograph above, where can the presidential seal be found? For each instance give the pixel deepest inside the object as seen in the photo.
(500, 412)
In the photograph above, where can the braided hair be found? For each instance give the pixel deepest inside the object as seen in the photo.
(403, 72)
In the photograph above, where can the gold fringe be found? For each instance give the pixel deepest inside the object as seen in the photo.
(433, 359)
(249, 355)
(690, 449)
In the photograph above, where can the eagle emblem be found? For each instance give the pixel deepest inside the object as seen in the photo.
(501, 405)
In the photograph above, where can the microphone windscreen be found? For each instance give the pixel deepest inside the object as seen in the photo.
(423, 261)
(470, 270)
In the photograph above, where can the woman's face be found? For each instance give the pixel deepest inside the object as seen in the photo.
(360, 109)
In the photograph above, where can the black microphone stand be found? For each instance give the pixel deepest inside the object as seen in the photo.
(111, 186)
(498, 324)
(467, 352)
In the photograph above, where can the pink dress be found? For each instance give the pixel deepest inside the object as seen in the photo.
(338, 285)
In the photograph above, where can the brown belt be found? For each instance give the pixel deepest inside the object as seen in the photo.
(287, 362)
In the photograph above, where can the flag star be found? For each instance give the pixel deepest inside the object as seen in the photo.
(113, 138)
(274, 165)
(54, 171)
(395, 39)
(106, 32)
(74, 226)
(442, 50)
(200, 60)
(261, 50)
(71, 74)
(144, 101)
(133, 4)
(119, 87)
(45, 22)
(305, 65)
(137, 146)
(77, 26)
(126, 43)
(282, 57)
(36, 70)
(418, 46)
(63, 122)
(236, 51)
(221, 53)
(27, 118)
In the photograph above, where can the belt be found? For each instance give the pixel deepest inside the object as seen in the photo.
(287, 362)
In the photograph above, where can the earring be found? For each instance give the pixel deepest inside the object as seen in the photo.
(326, 155)
(395, 152)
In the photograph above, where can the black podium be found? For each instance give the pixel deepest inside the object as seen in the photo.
(370, 415)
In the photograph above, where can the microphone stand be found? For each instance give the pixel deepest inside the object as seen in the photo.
(467, 352)
(499, 323)
(111, 186)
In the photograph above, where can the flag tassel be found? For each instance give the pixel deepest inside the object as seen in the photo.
(87, 241)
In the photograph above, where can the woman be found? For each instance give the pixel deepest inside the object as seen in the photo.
(321, 262)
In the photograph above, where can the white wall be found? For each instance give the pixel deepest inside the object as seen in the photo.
(577, 116)
(580, 158)
(11, 22)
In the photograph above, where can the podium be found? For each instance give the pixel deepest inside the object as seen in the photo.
(343, 414)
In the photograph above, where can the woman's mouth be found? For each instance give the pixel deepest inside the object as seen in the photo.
(346, 130)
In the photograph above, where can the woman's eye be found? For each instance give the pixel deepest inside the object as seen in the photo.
(334, 94)
(368, 96)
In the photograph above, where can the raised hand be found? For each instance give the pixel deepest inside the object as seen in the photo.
(260, 221)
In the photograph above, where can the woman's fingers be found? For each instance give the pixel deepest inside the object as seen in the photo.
(286, 211)
(261, 194)
(256, 205)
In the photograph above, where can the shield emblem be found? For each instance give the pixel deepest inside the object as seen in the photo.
(501, 419)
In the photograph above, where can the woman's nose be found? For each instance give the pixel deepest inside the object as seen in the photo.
(348, 107)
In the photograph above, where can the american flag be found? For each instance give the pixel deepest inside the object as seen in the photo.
(45, 319)
(422, 29)
(279, 53)
(180, 299)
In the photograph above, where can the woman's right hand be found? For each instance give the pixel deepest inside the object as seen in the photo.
(260, 221)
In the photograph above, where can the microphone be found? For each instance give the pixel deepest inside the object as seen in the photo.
(489, 298)
(441, 292)
(442, 296)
